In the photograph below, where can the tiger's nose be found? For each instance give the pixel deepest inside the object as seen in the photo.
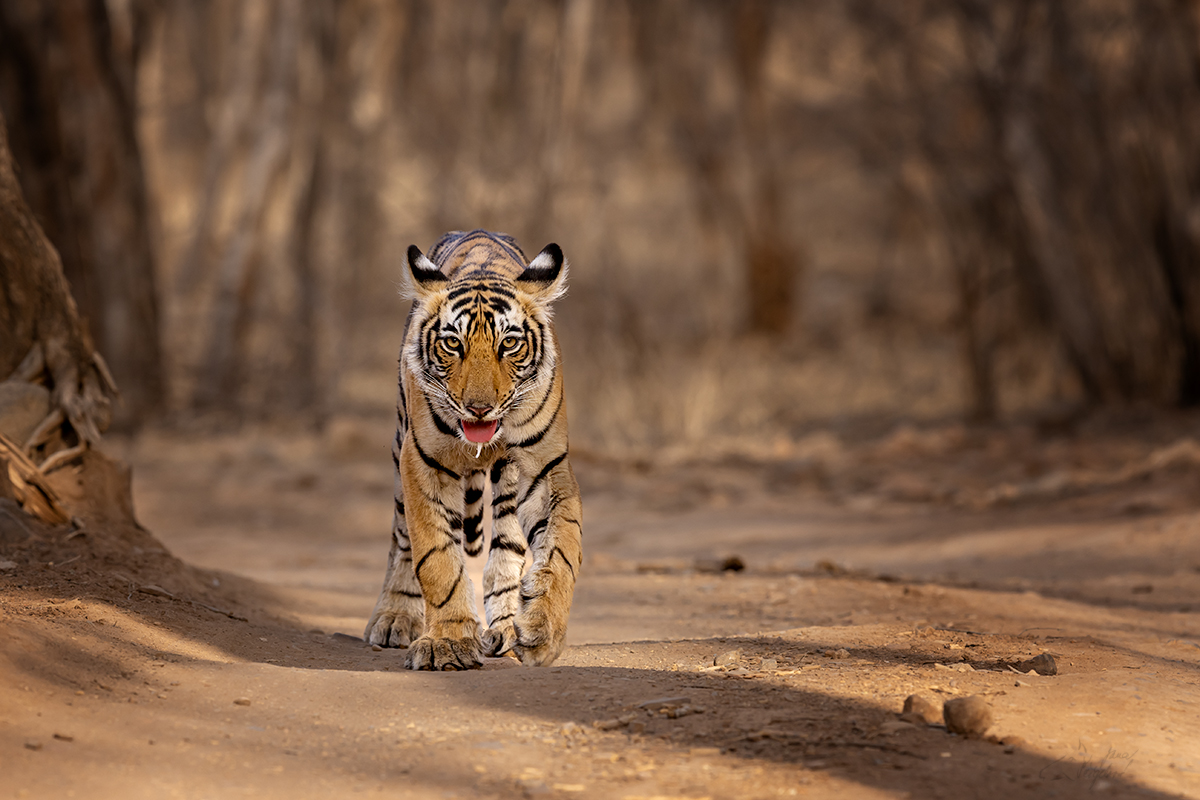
(480, 411)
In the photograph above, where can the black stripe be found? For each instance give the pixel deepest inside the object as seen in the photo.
(480, 285)
(473, 496)
(499, 513)
(498, 592)
(507, 497)
(453, 588)
(537, 437)
(396, 459)
(536, 530)
(538, 338)
(424, 558)
(505, 544)
(497, 469)
(399, 506)
(509, 245)
(541, 476)
(442, 425)
(545, 399)
(502, 617)
(472, 529)
(570, 566)
(433, 463)
(417, 595)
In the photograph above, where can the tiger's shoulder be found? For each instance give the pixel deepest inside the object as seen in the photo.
(477, 253)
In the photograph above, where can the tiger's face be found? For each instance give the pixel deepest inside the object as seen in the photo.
(483, 348)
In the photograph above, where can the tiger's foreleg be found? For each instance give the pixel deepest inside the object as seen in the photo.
(434, 513)
(551, 516)
(506, 562)
(473, 484)
(399, 615)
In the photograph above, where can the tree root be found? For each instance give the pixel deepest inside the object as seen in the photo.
(29, 487)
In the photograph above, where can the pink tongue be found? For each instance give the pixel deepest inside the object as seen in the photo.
(481, 432)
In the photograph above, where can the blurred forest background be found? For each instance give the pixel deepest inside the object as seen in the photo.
(780, 214)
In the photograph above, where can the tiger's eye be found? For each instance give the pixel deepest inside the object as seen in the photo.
(510, 342)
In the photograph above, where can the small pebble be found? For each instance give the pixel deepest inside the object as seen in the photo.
(922, 708)
(892, 726)
(33, 745)
(242, 701)
(535, 788)
(769, 664)
(727, 659)
(1011, 743)
(1041, 664)
(967, 716)
(377, 648)
(64, 737)
(839, 653)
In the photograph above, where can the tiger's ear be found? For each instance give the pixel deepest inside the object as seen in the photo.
(545, 279)
(424, 278)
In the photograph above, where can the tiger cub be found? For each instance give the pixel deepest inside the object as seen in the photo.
(481, 399)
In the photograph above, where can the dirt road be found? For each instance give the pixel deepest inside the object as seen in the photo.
(912, 564)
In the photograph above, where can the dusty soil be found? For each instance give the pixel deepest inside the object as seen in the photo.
(218, 657)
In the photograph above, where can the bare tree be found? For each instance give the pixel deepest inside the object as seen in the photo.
(43, 343)
(681, 75)
(1060, 145)
(67, 84)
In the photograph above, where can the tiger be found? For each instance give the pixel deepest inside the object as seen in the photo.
(480, 401)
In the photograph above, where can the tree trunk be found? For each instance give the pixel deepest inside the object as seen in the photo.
(42, 342)
(66, 83)
(772, 265)
(222, 369)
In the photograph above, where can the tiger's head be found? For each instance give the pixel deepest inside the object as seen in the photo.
(480, 345)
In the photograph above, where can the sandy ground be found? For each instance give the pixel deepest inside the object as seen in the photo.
(222, 662)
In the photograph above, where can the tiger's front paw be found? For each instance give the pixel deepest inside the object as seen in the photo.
(441, 654)
(394, 624)
(500, 638)
(540, 631)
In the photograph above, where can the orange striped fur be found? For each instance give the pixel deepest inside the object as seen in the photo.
(480, 404)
